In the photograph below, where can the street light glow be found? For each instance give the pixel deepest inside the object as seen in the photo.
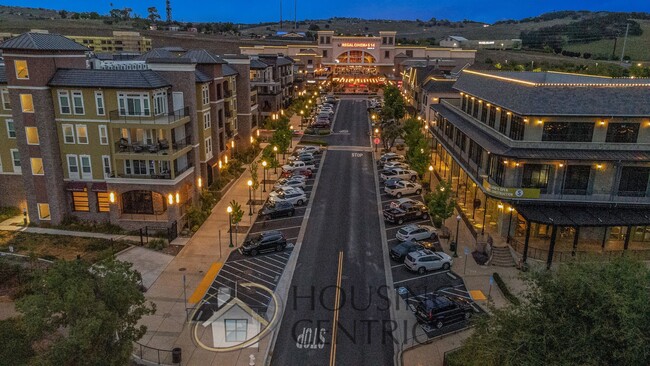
(229, 209)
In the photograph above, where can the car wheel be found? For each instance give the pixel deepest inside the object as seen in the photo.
(468, 315)
(290, 213)
(425, 216)
(414, 178)
(400, 222)
(299, 203)
(399, 195)
(253, 252)
(421, 270)
(418, 191)
(445, 266)
(279, 248)
(439, 324)
(267, 217)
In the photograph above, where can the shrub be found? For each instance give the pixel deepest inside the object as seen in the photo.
(505, 290)
(157, 244)
(16, 346)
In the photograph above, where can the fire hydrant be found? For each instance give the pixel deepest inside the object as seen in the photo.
(252, 360)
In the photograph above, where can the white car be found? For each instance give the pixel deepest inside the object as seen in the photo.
(416, 232)
(426, 260)
(404, 174)
(294, 182)
(301, 156)
(294, 197)
(285, 190)
(403, 188)
(399, 202)
(395, 164)
(309, 149)
(297, 165)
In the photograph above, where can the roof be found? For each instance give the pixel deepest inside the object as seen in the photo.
(174, 49)
(458, 38)
(42, 41)
(495, 146)
(257, 64)
(171, 60)
(440, 86)
(227, 70)
(3, 76)
(133, 79)
(156, 53)
(585, 215)
(203, 57)
(559, 94)
(307, 51)
(201, 77)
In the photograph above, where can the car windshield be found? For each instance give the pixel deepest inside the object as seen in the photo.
(403, 231)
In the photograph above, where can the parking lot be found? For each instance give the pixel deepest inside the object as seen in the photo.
(265, 268)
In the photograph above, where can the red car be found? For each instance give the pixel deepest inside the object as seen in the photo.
(304, 172)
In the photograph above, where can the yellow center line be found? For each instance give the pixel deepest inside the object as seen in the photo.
(337, 301)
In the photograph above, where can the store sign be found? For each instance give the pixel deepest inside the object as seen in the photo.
(485, 42)
(367, 45)
(509, 192)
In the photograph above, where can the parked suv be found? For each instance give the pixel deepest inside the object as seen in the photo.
(440, 310)
(265, 241)
(406, 212)
(426, 260)
(279, 209)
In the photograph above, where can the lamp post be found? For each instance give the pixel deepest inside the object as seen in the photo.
(291, 138)
(376, 138)
(232, 149)
(456, 246)
(275, 167)
(229, 209)
(264, 166)
(250, 197)
(302, 112)
(509, 224)
(430, 176)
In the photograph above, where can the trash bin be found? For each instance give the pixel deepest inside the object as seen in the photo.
(176, 355)
(452, 246)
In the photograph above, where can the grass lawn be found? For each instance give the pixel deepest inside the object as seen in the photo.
(636, 47)
(8, 212)
(59, 246)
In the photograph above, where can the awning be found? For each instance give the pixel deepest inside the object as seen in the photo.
(76, 186)
(585, 215)
(99, 187)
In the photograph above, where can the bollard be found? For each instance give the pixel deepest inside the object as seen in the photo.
(252, 360)
(176, 355)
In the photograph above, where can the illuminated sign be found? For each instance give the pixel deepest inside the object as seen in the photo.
(367, 45)
(508, 192)
(485, 42)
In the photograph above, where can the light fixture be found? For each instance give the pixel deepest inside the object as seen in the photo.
(511, 209)
(430, 168)
(264, 164)
(170, 199)
(516, 164)
(539, 121)
(599, 166)
(500, 206)
(229, 209)
(602, 123)
(252, 139)
(258, 133)
(505, 161)
(220, 165)
(111, 197)
(200, 182)
(232, 144)
(561, 165)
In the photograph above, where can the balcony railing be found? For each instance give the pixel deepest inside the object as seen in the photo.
(161, 175)
(228, 113)
(125, 116)
(162, 147)
(228, 93)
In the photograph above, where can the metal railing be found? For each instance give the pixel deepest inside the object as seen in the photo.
(126, 116)
(564, 256)
(162, 147)
(153, 355)
(161, 175)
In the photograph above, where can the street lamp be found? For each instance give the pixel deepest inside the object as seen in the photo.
(291, 139)
(456, 246)
(430, 176)
(250, 197)
(302, 112)
(229, 209)
(264, 165)
(275, 167)
(232, 149)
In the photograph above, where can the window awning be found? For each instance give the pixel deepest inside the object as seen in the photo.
(585, 215)
(76, 186)
(99, 187)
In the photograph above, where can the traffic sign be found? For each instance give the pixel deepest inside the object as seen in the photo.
(377, 140)
(491, 280)
(466, 251)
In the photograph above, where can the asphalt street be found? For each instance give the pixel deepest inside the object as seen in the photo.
(341, 249)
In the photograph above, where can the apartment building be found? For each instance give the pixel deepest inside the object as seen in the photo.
(120, 41)
(557, 164)
(272, 76)
(130, 147)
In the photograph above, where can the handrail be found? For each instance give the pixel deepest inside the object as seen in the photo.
(152, 355)
(123, 116)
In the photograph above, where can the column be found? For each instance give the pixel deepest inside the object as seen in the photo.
(551, 247)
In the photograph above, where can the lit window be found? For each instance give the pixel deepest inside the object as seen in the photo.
(103, 135)
(99, 103)
(6, 102)
(64, 102)
(27, 103)
(103, 202)
(11, 129)
(78, 102)
(32, 135)
(15, 157)
(80, 201)
(37, 166)
(21, 69)
(82, 134)
(44, 211)
(68, 134)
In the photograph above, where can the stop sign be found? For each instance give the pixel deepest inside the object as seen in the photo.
(377, 140)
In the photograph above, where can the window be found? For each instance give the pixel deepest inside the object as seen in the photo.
(82, 134)
(80, 201)
(78, 102)
(27, 103)
(139, 167)
(565, 131)
(207, 123)
(208, 148)
(386, 54)
(106, 165)
(15, 158)
(103, 135)
(517, 127)
(6, 102)
(503, 122)
(11, 129)
(99, 103)
(86, 167)
(576, 179)
(409, 53)
(32, 135)
(475, 108)
(64, 102)
(324, 53)
(484, 113)
(463, 103)
(160, 103)
(68, 134)
(37, 166)
(133, 104)
(634, 181)
(44, 211)
(622, 132)
(493, 116)
(73, 167)
(236, 330)
(22, 72)
(475, 152)
(536, 176)
(143, 202)
(103, 202)
(205, 94)
(496, 169)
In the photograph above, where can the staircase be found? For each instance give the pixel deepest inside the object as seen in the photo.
(501, 257)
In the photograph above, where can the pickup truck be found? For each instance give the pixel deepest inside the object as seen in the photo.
(405, 174)
(402, 188)
(297, 165)
(406, 212)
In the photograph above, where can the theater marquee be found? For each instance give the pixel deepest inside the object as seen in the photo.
(366, 45)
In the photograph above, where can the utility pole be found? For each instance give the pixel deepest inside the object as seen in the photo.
(295, 14)
(280, 14)
(169, 11)
(627, 29)
(614, 50)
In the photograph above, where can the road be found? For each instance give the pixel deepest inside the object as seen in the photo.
(342, 247)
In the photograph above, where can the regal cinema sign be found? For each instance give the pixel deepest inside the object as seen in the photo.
(366, 45)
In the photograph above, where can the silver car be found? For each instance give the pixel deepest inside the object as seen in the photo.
(426, 260)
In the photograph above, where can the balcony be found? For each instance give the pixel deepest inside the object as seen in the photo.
(162, 147)
(166, 175)
(228, 93)
(228, 113)
(126, 116)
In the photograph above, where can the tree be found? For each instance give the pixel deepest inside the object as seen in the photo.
(16, 346)
(63, 14)
(585, 313)
(236, 215)
(153, 14)
(440, 203)
(314, 27)
(89, 314)
(419, 156)
(253, 167)
(390, 131)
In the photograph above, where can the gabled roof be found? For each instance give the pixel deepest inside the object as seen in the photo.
(458, 38)
(257, 64)
(308, 51)
(94, 78)
(204, 57)
(42, 41)
(228, 70)
(440, 86)
(156, 53)
(201, 77)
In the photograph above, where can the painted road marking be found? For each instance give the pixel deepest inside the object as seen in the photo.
(205, 283)
(311, 340)
(337, 302)
(418, 277)
(357, 155)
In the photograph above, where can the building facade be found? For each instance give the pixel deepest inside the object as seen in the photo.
(120, 41)
(487, 44)
(557, 164)
(273, 78)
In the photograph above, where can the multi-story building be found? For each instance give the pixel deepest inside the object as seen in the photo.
(120, 41)
(428, 84)
(130, 147)
(272, 75)
(557, 164)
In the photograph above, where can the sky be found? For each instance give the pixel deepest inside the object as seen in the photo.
(254, 11)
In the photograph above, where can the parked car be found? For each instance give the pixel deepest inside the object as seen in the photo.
(440, 310)
(295, 197)
(395, 164)
(298, 181)
(297, 165)
(390, 157)
(392, 181)
(401, 250)
(402, 188)
(415, 232)
(427, 260)
(279, 209)
(405, 174)
(285, 190)
(313, 149)
(406, 212)
(331, 99)
(304, 172)
(399, 202)
(264, 241)
(301, 156)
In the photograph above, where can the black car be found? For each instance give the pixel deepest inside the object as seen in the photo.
(440, 310)
(406, 212)
(278, 209)
(265, 241)
(399, 251)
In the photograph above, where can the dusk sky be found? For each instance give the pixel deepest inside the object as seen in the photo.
(253, 11)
